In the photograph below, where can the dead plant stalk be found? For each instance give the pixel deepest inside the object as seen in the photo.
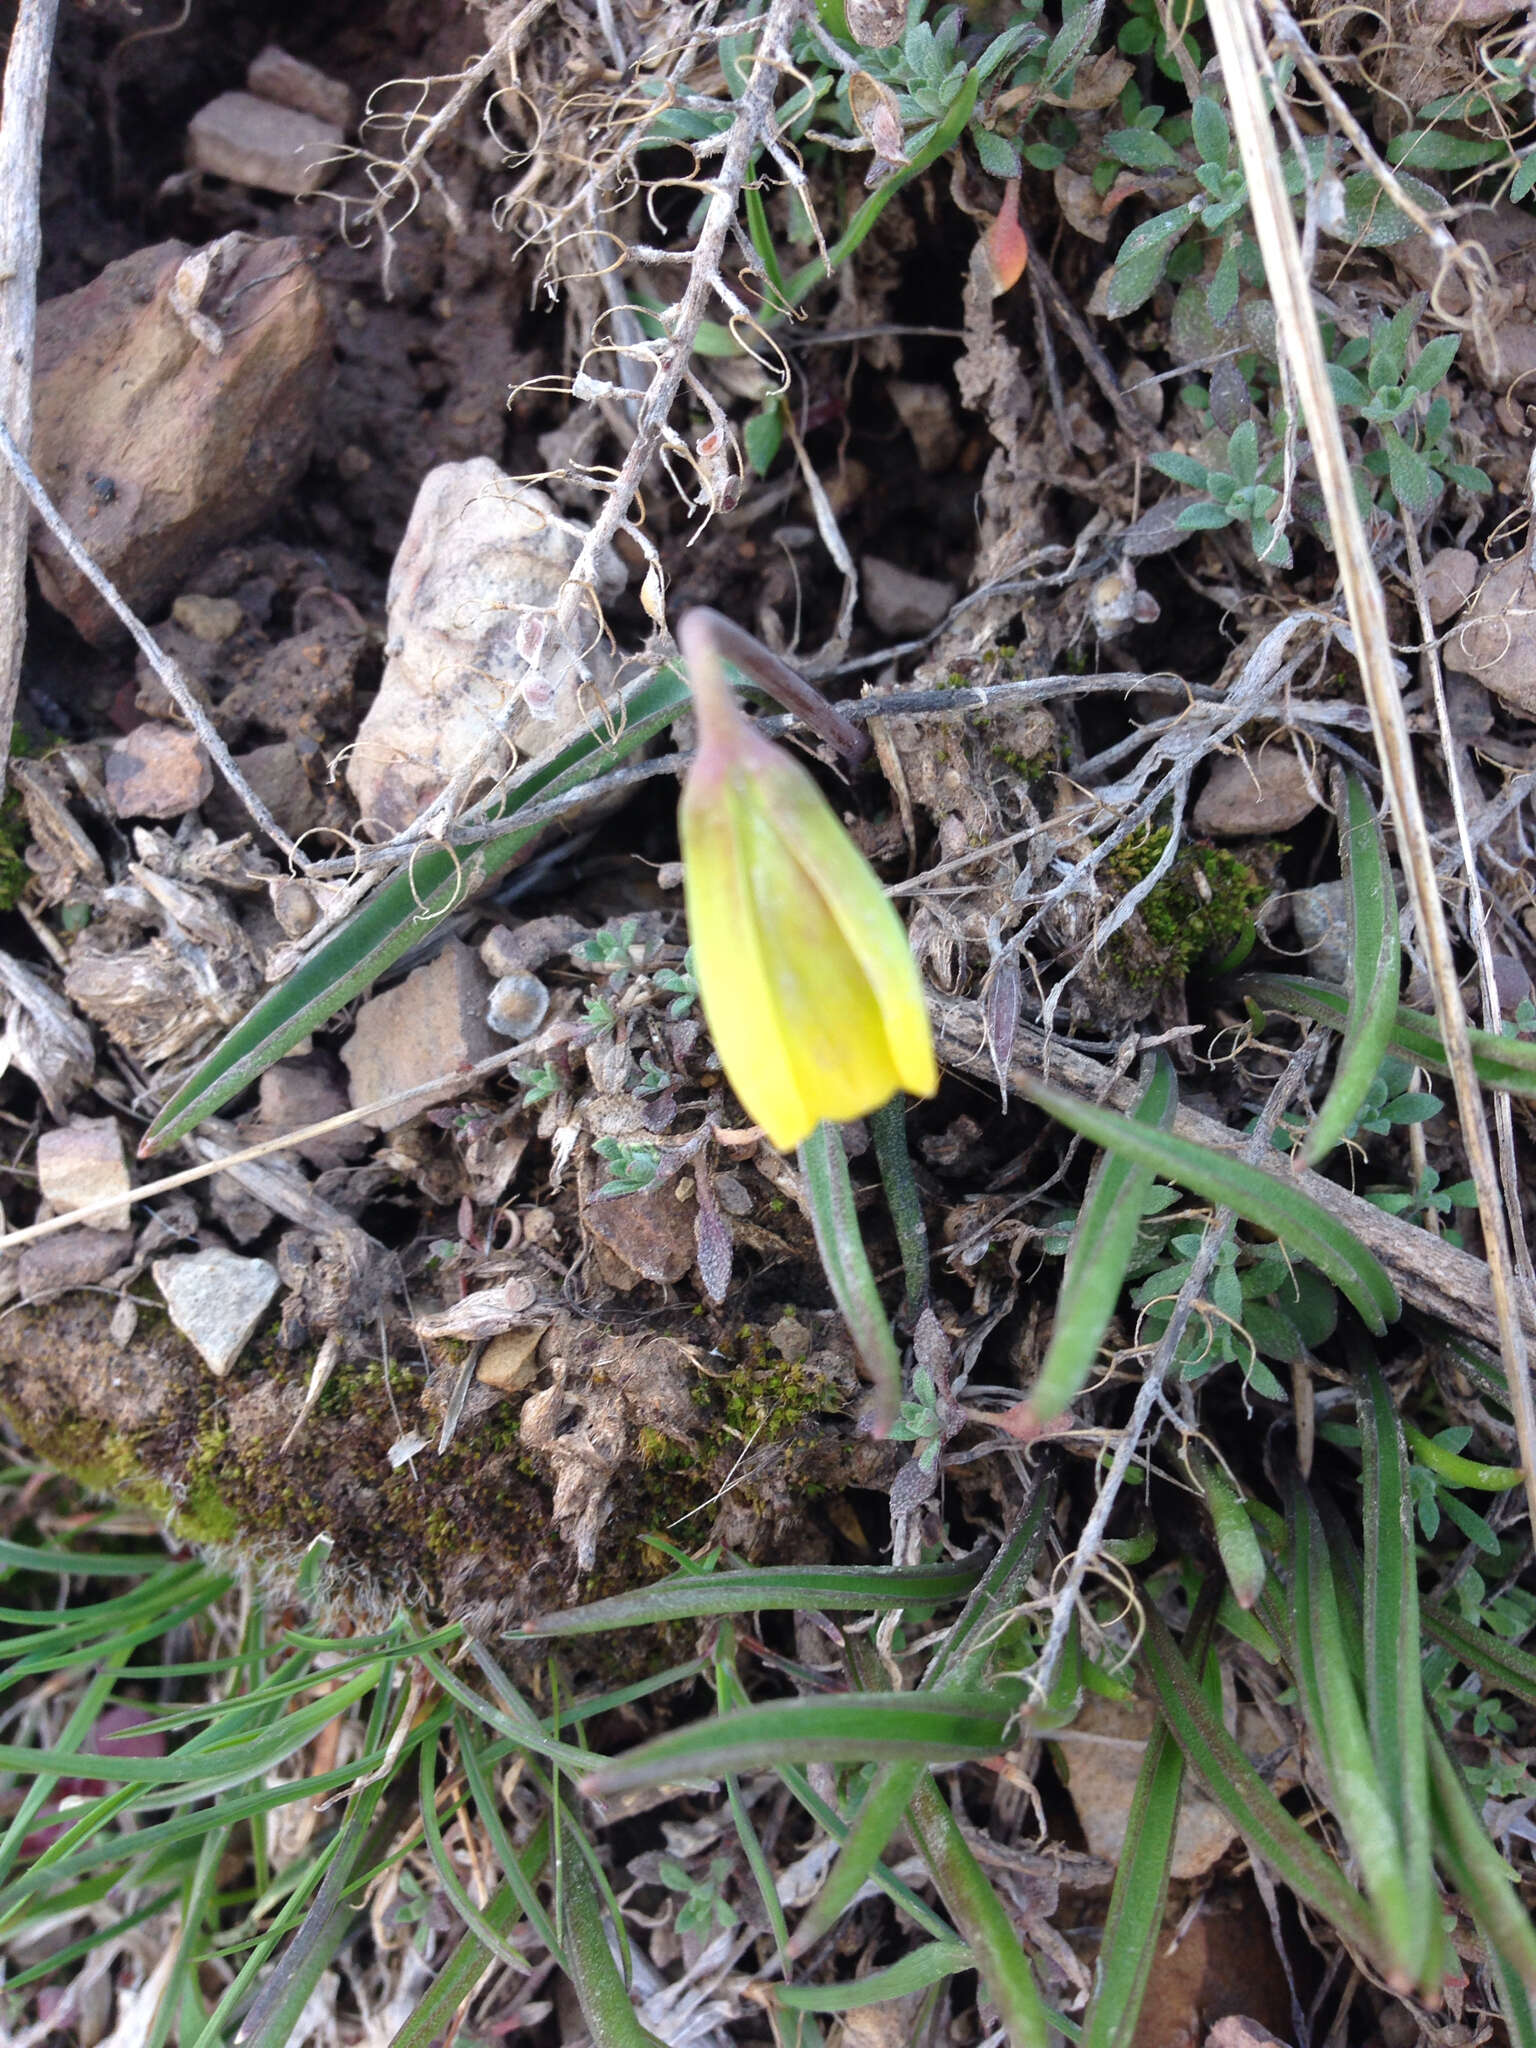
(1244, 67)
(21, 148)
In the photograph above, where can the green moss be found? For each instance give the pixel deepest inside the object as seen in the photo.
(14, 872)
(1197, 912)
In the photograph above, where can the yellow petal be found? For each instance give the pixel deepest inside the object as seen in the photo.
(828, 1016)
(866, 918)
(731, 971)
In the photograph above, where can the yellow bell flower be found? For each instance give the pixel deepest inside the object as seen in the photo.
(807, 982)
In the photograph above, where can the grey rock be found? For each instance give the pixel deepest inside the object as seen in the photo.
(482, 562)
(517, 1005)
(216, 1299)
(900, 603)
(275, 75)
(1496, 639)
(256, 142)
(75, 1258)
(1321, 918)
(506, 949)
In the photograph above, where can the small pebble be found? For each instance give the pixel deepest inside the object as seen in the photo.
(212, 620)
(518, 1005)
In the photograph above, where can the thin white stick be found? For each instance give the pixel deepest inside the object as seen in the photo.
(21, 149)
(1240, 49)
(444, 1084)
(165, 669)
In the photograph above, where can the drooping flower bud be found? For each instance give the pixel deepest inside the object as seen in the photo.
(806, 979)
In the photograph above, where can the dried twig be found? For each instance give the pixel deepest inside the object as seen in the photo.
(165, 669)
(21, 146)
(1243, 64)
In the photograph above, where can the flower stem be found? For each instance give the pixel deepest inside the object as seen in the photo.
(706, 637)
(889, 1126)
(846, 1265)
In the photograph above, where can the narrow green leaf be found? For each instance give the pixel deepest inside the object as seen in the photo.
(1102, 1242)
(930, 1964)
(1476, 1868)
(981, 1918)
(840, 1729)
(1458, 1471)
(1508, 1063)
(1503, 1664)
(1394, 1689)
(1242, 1794)
(1375, 966)
(839, 1240)
(1134, 1921)
(1335, 1717)
(772, 1588)
(403, 911)
(458, 1977)
(961, 1660)
(1275, 1205)
(600, 1990)
(943, 139)
(1241, 1554)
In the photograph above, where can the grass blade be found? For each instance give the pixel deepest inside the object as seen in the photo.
(960, 1660)
(456, 1981)
(1242, 1794)
(1102, 1242)
(401, 912)
(1307, 1231)
(1499, 1062)
(689, 1595)
(1135, 1917)
(981, 1918)
(1394, 1690)
(1375, 966)
(930, 1964)
(851, 1728)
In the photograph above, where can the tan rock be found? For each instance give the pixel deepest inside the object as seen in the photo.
(650, 1233)
(275, 75)
(506, 949)
(157, 771)
(426, 1029)
(927, 411)
(83, 1163)
(256, 142)
(482, 560)
(212, 620)
(509, 1363)
(175, 399)
(1496, 640)
(1268, 790)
